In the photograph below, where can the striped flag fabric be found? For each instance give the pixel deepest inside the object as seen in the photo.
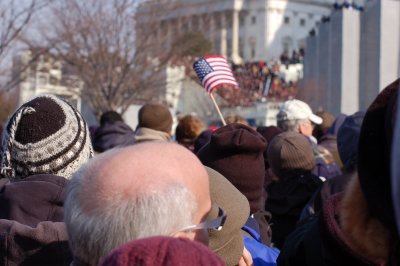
(214, 71)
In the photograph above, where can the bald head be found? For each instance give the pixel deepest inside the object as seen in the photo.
(153, 188)
(140, 168)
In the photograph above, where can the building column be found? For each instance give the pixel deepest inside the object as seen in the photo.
(235, 38)
(211, 30)
(224, 35)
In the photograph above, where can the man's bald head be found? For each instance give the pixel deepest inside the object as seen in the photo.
(133, 170)
(154, 188)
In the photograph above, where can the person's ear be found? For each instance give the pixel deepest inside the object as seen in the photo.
(188, 235)
(302, 128)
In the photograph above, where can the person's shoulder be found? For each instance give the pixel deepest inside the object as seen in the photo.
(45, 244)
(4, 181)
(302, 242)
(262, 254)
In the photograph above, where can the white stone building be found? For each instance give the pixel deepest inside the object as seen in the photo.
(352, 57)
(248, 30)
(379, 48)
(46, 75)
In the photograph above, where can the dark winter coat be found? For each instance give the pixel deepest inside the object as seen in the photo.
(111, 135)
(32, 231)
(329, 142)
(321, 241)
(325, 164)
(45, 244)
(330, 187)
(34, 199)
(286, 199)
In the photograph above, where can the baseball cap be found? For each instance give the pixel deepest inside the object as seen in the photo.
(296, 109)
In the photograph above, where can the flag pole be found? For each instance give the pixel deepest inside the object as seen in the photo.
(219, 111)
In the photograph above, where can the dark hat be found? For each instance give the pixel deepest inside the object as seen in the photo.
(228, 242)
(290, 153)
(45, 136)
(155, 116)
(268, 133)
(162, 250)
(236, 151)
(374, 154)
(334, 129)
(110, 117)
(347, 139)
(202, 139)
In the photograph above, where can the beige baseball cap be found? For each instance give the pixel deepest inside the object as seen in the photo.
(295, 110)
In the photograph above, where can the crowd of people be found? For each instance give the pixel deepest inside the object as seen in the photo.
(296, 58)
(264, 81)
(313, 190)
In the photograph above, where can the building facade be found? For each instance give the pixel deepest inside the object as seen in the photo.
(45, 74)
(352, 56)
(247, 30)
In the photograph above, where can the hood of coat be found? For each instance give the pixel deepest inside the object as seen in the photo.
(34, 199)
(289, 195)
(111, 135)
(347, 222)
(45, 244)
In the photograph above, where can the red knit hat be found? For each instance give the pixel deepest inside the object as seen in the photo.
(236, 151)
(161, 250)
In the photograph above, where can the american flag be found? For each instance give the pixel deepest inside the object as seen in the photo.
(214, 71)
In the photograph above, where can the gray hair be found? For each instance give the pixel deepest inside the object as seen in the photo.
(288, 125)
(157, 211)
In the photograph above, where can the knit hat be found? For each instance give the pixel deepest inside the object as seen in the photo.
(228, 242)
(347, 139)
(236, 151)
(155, 116)
(296, 110)
(162, 250)
(290, 153)
(45, 136)
(374, 154)
(269, 132)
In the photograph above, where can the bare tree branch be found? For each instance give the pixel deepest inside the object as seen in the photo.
(119, 55)
(14, 20)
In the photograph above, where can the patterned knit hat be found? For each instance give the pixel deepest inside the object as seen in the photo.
(45, 136)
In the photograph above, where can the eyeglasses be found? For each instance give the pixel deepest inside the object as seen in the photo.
(215, 224)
